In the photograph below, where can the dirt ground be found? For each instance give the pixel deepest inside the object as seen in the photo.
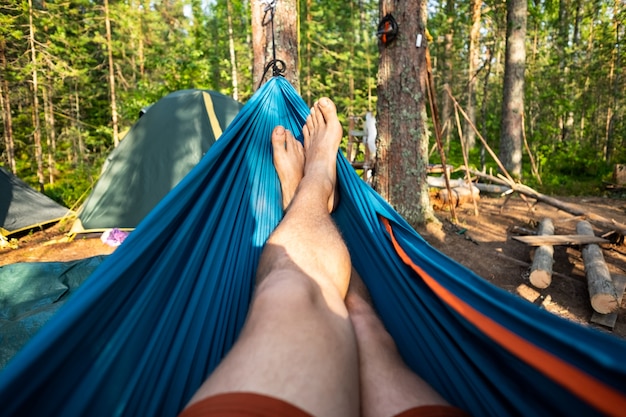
(481, 242)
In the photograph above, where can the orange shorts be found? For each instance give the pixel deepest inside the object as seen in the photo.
(247, 404)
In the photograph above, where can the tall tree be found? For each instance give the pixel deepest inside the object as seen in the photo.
(513, 89)
(109, 44)
(447, 57)
(231, 49)
(275, 34)
(473, 62)
(35, 98)
(402, 164)
(5, 105)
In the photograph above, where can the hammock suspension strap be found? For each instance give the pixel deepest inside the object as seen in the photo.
(278, 66)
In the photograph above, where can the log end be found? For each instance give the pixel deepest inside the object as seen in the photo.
(540, 279)
(604, 303)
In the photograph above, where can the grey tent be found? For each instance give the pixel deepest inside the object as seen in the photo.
(22, 208)
(167, 141)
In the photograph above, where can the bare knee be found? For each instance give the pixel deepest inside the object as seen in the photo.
(287, 289)
(292, 295)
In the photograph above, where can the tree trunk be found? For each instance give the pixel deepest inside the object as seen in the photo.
(231, 48)
(448, 76)
(109, 44)
(35, 90)
(513, 94)
(483, 109)
(566, 122)
(614, 90)
(140, 51)
(277, 38)
(402, 164)
(7, 119)
(50, 130)
(470, 135)
(80, 145)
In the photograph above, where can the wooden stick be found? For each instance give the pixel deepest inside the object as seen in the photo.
(601, 289)
(430, 87)
(464, 151)
(541, 268)
(484, 142)
(533, 165)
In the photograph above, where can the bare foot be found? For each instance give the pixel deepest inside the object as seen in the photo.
(322, 136)
(288, 156)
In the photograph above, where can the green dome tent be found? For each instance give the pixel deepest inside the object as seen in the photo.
(22, 208)
(167, 141)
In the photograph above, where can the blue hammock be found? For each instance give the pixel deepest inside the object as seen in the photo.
(156, 317)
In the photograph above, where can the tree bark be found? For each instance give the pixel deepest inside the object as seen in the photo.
(279, 37)
(402, 163)
(513, 92)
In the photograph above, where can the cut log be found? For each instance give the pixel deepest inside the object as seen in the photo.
(460, 195)
(564, 240)
(609, 320)
(602, 292)
(541, 268)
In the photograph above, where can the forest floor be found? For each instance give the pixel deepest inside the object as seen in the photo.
(482, 242)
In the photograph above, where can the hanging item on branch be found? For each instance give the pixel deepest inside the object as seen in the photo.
(387, 29)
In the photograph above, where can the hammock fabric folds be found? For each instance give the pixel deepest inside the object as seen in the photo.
(154, 319)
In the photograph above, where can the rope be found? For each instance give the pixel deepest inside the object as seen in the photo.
(278, 66)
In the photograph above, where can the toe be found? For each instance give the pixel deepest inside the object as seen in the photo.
(327, 108)
(291, 142)
(279, 137)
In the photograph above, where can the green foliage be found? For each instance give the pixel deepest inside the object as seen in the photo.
(72, 191)
(575, 76)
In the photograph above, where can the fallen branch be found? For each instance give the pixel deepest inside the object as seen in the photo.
(566, 207)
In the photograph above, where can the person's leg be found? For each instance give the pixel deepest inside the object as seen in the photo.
(388, 385)
(298, 343)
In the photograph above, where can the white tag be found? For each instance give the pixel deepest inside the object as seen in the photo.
(418, 41)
